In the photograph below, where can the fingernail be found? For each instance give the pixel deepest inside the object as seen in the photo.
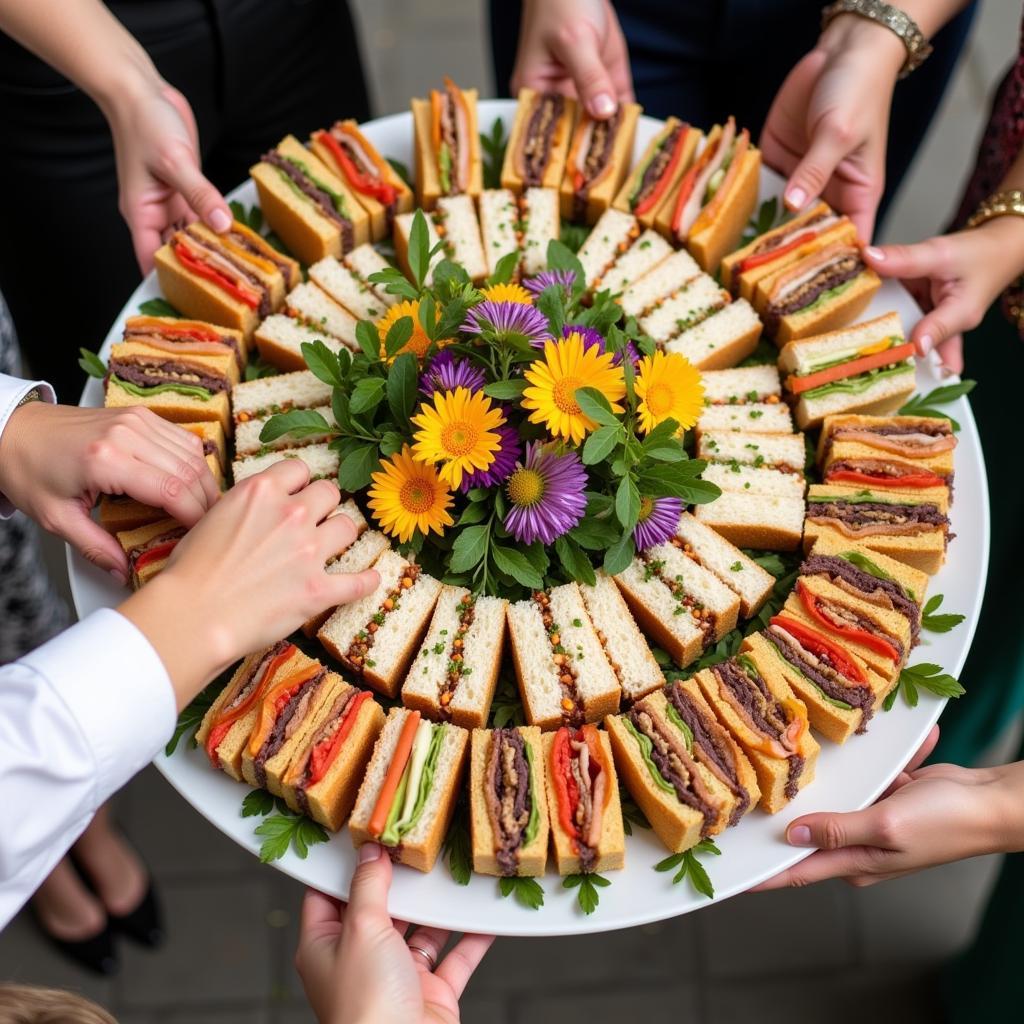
(795, 198)
(219, 220)
(368, 852)
(799, 835)
(119, 576)
(946, 371)
(925, 344)
(875, 253)
(602, 105)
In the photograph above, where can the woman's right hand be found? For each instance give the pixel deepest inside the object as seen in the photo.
(156, 144)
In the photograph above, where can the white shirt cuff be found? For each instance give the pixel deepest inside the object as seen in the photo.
(117, 689)
(12, 391)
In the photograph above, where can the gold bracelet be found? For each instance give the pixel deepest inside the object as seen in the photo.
(32, 395)
(918, 48)
(999, 204)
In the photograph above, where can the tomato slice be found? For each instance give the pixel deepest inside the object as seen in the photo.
(193, 262)
(376, 187)
(325, 753)
(154, 554)
(857, 476)
(896, 354)
(400, 758)
(567, 794)
(661, 187)
(689, 180)
(191, 329)
(821, 646)
(812, 605)
(761, 258)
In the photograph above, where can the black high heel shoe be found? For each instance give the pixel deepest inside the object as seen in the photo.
(144, 924)
(96, 953)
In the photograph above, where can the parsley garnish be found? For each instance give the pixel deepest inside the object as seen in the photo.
(587, 885)
(690, 867)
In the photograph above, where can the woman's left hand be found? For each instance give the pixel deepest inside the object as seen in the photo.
(356, 964)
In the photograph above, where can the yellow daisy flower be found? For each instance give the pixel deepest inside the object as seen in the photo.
(459, 430)
(418, 343)
(668, 385)
(507, 293)
(407, 496)
(554, 380)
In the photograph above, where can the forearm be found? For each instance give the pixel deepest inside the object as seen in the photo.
(84, 42)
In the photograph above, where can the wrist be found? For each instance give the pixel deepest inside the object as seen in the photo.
(849, 35)
(124, 83)
(1005, 236)
(1004, 809)
(15, 471)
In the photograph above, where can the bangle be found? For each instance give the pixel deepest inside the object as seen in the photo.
(999, 204)
(918, 48)
(32, 395)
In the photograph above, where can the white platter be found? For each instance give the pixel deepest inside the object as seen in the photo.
(848, 777)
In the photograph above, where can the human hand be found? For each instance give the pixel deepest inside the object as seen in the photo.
(356, 964)
(827, 126)
(574, 47)
(156, 145)
(955, 278)
(249, 574)
(928, 816)
(56, 459)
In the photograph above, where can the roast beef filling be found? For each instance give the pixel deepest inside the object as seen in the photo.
(599, 152)
(149, 375)
(536, 145)
(655, 170)
(507, 794)
(832, 275)
(885, 593)
(572, 703)
(321, 199)
(197, 241)
(870, 518)
(712, 747)
(825, 676)
(675, 765)
(356, 657)
(579, 766)
(773, 242)
(325, 732)
(763, 712)
(288, 722)
(456, 665)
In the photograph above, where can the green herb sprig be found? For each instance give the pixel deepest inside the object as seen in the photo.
(528, 892)
(925, 676)
(938, 623)
(586, 886)
(690, 867)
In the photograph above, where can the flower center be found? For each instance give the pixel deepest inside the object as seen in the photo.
(525, 487)
(416, 496)
(458, 439)
(646, 508)
(660, 399)
(564, 395)
(417, 344)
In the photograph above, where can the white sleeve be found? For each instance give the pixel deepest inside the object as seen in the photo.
(79, 717)
(12, 391)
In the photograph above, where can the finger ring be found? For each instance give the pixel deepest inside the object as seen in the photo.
(426, 954)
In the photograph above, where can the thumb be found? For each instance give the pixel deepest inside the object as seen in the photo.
(368, 894)
(828, 831)
(943, 325)
(827, 148)
(94, 543)
(184, 176)
(924, 259)
(577, 46)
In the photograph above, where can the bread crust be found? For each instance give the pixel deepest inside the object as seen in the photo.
(710, 245)
(276, 354)
(561, 136)
(926, 552)
(611, 853)
(531, 712)
(681, 653)
(726, 356)
(902, 573)
(689, 149)
(307, 234)
(840, 311)
(533, 859)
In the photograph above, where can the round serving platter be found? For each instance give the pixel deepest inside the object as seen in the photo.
(847, 778)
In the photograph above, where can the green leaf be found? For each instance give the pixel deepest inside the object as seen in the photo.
(631, 813)
(158, 307)
(295, 423)
(923, 405)
(469, 548)
(400, 169)
(573, 235)
(586, 885)
(279, 832)
(528, 891)
(677, 481)
(769, 561)
(690, 867)
(620, 554)
(369, 340)
(92, 364)
(515, 564)
(595, 534)
(575, 561)
(257, 802)
(391, 441)
(594, 405)
(259, 368)
(551, 302)
(322, 362)
(601, 443)
(493, 145)
(561, 257)
(340, 408)
(938, 623)
(367, 394)
(398, 335)
(427, 315)
(627, 503)
(394, 282)
(419, 249)
(474, 512)
(930, 677)
(505, 268)
(457, 846)
(357, 467)
(191, 716)
(401, 387)
(506, 390)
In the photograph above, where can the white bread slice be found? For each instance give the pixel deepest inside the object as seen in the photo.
(799, 356)
(455, 220)
(420, 846)
(693, 303)
(642, 256)
(764, 417)
(612, 234)
(739, 479)
(360, 555)
(319, 311)
(751, 448)
(322, 462)
(624, 645)
(773, 522)
(266, 395)
(659, 283)
(737, 571)
(280, 338)
(401, 233)
(885, 395)
(597, 687)
(480, 650)
(541, 223)
(363, 261)
(741, 384)
(498, 215)
(722, 340)
(247, 436)
(531, 860)
(347, 288)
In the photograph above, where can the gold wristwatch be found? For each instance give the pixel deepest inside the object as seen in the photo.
(1009, 202)
(32, 395)
(918, 48)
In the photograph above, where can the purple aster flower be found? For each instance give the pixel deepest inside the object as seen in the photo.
(546, 492)
(659, 518)
(505, 459)
(446, 373)
(535, 285)
(507, 320)
(593, 338)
